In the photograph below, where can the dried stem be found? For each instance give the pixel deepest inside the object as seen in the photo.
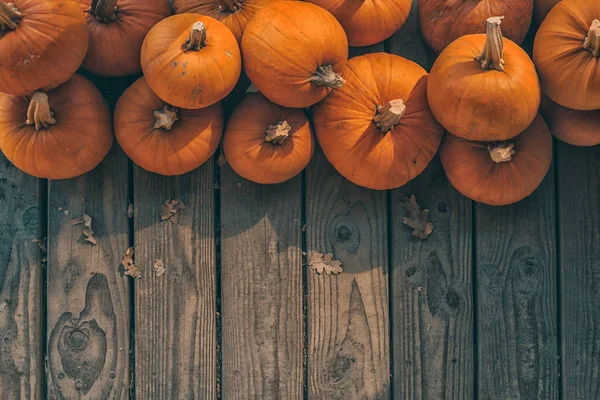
(104, 10)
(389, 115)
(276, 134)
(592, 41)
(165, 118)
(491, 57)
(9, 17)
(502, 152)
(197, 39)
(230, 5)
(39, 113)
(326, 77)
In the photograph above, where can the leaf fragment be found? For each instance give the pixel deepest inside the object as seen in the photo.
(159, 267)
(416, 219)
(221, 160)
(325, 263)
(170, 210)
(129, 210)
(75, 221)
(129, 265)
(88, 232)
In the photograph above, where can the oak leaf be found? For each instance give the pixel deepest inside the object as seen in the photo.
(416, 219)
(325, 263)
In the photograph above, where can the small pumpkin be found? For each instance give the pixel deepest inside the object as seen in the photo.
(117, 29)
(42, 44)
(235, 14)
(294, 53)
(377, 130)
(191, 61)
(267, 143)
(442, 22)
(484, 87)
(566, 52)
(499, 173)
(368, 22)
(541, 8)
(58, 134)
(161, 138)
(576, 127)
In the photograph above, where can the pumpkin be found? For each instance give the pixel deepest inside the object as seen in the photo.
(442, 22)
(367, 22)
(58, 134)
(161, 138)
(267, 143)
(377, 130)
(42, 44)
(499, 173)
(191, 61)
(566, 52)
(294, 53)
(576, 127)
(484, 87)
(235, 14)
(541, 8)
(117, 30)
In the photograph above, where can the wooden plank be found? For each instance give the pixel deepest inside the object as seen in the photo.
(579, 239)
(348, 324)
(20, 285)
(175, 314)
(516, 298)
(261, 278)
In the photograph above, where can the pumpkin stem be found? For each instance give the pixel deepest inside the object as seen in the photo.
(39, 113)
(9, 17)
(502, 152)
(104, 10)
(389, 115)
(592, 41)
(230, 5)
(277, 133)
(491, 57)
(197, 39)
(165, 118)
(326, 77)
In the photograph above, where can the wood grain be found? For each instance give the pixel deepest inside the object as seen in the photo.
(21, 365)
(348, 323)
(175, 314)
(516, 298)
(579, 248)
(88, 298)
(261, 278)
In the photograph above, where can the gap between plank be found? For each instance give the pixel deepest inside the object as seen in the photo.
(219, 303)
(558, 268)
(304, 288)
(475, 305)
(131, 239)
(43, 301)
(388, 199)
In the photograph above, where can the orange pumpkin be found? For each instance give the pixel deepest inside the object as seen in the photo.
(42, 44)
(267, 143)
(541, 8)
(58, 134)
(576, 127)
(499, 173)
(294, 52)
(235, 14)
(117, 30)
(191, 61)
(442, 22)
(377, 130)
(566, 52)
(368, 22)
(161, 138)
(484, 87)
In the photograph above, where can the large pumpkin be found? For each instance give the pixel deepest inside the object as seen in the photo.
(42, 44)
(566, 51)
(58, 134)
(444, 21)
(484, 87)
(235, 14)
(377, 130)
(191, 61)
(294, 53)
(368, 22)
(267, 143)
(541, 8)
(576, 127)
(117, 30)
(502, 172)
(161, 138)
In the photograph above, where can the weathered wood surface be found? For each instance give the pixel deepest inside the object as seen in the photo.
(261, 278)
(516, 298)
(578, 208)
(175, 314)
(21, 366)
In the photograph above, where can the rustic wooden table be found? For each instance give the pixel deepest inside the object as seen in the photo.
(498, 303)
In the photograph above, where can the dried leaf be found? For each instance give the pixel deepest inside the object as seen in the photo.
(41, 244)
(221, 160)
(416, 219)
(130, 210)
(159, 267)
(75, 221)
(88, 232)
(60, 208)
(3, 306)
(304, 228)
(325, 263)
(87, 221)
(252, 89)
(128, 264)
(66, 212)
(170, 210)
